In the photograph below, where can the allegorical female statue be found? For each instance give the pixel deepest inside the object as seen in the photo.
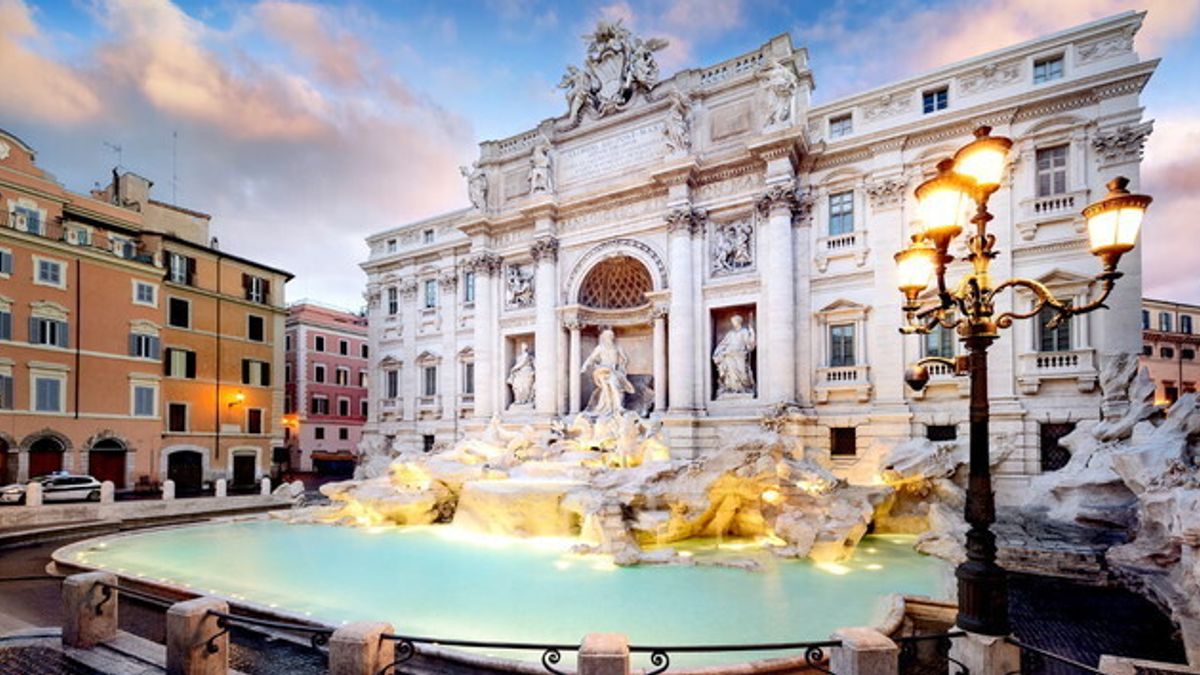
(521, 377)
(608, 362)
(732, 358)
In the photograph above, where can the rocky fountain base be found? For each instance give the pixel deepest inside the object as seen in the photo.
(613, 485)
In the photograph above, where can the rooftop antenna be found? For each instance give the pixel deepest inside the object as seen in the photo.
(174, 164)
(116, 149)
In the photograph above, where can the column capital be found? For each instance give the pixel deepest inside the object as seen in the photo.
(448, 279)
(572, 324)
(686, 220)
(485, 264)
(544, 248)
(784, 197)
(407, 287)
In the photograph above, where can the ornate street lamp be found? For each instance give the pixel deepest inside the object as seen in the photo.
(945, 202)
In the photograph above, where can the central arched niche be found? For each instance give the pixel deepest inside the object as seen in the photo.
(618, 282)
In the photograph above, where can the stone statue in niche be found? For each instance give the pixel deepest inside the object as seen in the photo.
(539, 168)
(520, 286)
(477, 187)
(608, 362)
(733, 246)
(677, 130)
(732, 358)
(780, 84)
(521, 377)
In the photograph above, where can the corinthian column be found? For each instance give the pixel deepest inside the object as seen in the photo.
(487, 271)
(545, 332)
(682, 225)
(777, 328)
(448, 281)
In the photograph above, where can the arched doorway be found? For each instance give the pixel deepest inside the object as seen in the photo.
(106, 461)
(45, 456)
(186, 469)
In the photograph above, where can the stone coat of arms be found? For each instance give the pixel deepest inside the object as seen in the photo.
(618, 65)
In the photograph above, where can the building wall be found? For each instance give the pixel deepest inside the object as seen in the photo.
(670, 211)
(1170, 344)
(97, 300)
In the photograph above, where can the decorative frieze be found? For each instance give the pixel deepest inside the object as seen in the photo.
(1106, 47)
(1123, 144)
(991, 76)
(620, 212)
(888, 105)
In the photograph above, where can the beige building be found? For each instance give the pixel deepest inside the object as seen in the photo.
(1169, 346)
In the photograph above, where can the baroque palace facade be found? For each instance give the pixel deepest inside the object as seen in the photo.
(734, 243)
(131, 347)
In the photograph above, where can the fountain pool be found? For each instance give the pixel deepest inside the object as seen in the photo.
(440, 581)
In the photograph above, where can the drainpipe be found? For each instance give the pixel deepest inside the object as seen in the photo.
(78, 328)
(217, 386)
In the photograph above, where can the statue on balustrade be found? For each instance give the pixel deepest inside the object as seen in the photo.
(732, 358)
(521, 377)
(608, 362)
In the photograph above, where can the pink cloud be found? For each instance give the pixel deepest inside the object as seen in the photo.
(1171, 173)
(48, 90)
(305, 29)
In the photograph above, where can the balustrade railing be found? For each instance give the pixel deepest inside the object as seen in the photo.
(1035, 660)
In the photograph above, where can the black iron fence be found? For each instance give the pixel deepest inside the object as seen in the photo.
(1043, 662)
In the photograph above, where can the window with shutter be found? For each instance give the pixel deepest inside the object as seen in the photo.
(5, 325)
(6, 392)
(191, 365)
(6, 262)
(265, 372)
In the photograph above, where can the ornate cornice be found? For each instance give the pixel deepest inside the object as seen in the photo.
(545, 247)
(886, 193)
(1123, 144)
(687, 220)
(485, 264)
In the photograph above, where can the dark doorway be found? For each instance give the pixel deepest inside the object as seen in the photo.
(243, 470)
(45, 456)
(106, 461)
(5, 478)
(1054, 456)
(186, 468)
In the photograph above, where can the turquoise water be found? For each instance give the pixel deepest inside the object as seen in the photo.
(435, 581)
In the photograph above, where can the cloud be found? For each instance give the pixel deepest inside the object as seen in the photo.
(37, 87)
(1171, 173)
(305, 29)
(684, 24)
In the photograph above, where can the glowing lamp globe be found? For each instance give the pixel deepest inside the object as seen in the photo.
(942, 203)
(1114, 222)
(983, 160)
(915, 266)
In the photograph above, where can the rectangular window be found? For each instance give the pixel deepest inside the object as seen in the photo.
(50, 273)
(363, 351)
(1054, 456)
(1051, 171)
(254, 420)
(1145, 319)
(427, 442)
(1164, 322)
(363, 379)
(1187, 354)
(257, 289)
(344, 407)
(468, 287)
(840, 126)
(318, 373)
(392, 383)
(25, 218)
(1167, 352)
(80, 236)
(469, 378)
(181, 363)
(320, 405)
(1185, 324)
(144, 346)
(343, 434)
(48, 394)
(430, 293)
(256, 328)
(427, 236)
(941, 432)
(319, 433)
(143, 400)
(393, 300)
(343, 347)
(841, 345)
(1047, 69)
(363, 407)
(341, 377)
(319, 343)
(177, 417)
(145, 294)
(841, 213)
(6, 262)
(256, 372)
(940, 342)
(48, 332)
(5, 325)
(935, 100)
(429, 377)
(6, 391)
(287, 343)
(287, 373)
(843, 442)
(181, 269)
(1056, 339)
(391, 245)
(179, 313)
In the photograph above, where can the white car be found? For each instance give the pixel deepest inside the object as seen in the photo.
(58, 487)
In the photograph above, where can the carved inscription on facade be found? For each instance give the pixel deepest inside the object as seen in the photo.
(610, 155)
(730, 120)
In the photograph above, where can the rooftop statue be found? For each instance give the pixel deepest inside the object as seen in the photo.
(618, 65)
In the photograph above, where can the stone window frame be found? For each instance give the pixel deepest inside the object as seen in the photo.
(320, 378)
(426, 361)
(142, 381)
(262, 422)
(28, 204)
(75, 229)
(39, 370)
(136, 284)
(7, 253)
(834, 246)
(36, 270)
(1063, 130)
(1048, 57)
(835, 123)
(1066, 286)
(840, 312)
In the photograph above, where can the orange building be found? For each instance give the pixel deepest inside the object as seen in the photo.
(1170, 343)
(130, 348)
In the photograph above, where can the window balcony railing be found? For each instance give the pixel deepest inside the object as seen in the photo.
(943, 377)
(1034, 368)
(854, 380)
(1035, 211)
(851, 244)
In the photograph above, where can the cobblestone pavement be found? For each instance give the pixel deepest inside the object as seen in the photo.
(39, 661)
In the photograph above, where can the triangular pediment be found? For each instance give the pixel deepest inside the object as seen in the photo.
(842, 304)
(1061, 277)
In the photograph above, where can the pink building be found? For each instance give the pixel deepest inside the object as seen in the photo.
(325, 400)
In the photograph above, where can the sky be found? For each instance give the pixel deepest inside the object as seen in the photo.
(303, 127)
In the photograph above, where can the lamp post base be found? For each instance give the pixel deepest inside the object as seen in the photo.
(982, 598)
